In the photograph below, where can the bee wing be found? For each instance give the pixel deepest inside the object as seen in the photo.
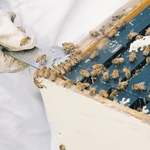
(129, 68)
(120, 80)
(142, 83)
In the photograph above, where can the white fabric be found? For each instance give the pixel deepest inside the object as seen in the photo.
(24, 124)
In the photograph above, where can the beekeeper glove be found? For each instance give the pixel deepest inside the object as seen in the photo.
(13, 39)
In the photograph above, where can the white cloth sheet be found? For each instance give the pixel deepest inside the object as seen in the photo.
(24, 124)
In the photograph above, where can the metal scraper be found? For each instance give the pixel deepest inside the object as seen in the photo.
(54, 55)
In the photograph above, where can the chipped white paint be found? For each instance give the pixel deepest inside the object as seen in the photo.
(139, 44)
(81, 123)
(144, 110)
(125, 101)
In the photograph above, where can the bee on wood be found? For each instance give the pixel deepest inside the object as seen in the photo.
(40, 58)
(85, 73)
(132, 57)
(94, 54)
(103, 93)
(118, 61)
(56, 69)
(67, 68)
(147, 32)
(68, 63)
(96, 72)
(148, 60)
(47, 73)
(24, 41)
(139, 87)
(68, 83)
(62, 147)
(146, 51)
(101, 44)
(98, 66)
(52, 76)
(42, 71)
(115, 74)
(73, 60)
(61, 67)
(94, 33)
(122, 85)
(38, 84)
(106, 76)
(36, 74)
(113, 94)
(78, 58)
(138, 37)
(120, 25)
(92, 91)
(86, 85)
(80, 86)
(131, 35)
(112, 33)
(77, 51)
(127, 72)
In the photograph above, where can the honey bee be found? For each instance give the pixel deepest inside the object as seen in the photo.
(115, 74)
(52, 76)
(92, 91)
(113, 94)
(94, 33)
(42, 71)
(112, 33)
(40, 58)
(24, 41)
(67, 68)
(106, 76)
(73, 60)
(120, 25)
(61, 67)
(138, 37)
(86, 85)
(56, 69)
(118, 61)
(103, 93)
(147, 32)
(67, 44)
(96, 72)
(122, 85)
(62, 147)
(77, 51)
(36, 74)
(131, 35)
(101, 44)
(146, 51)
(94, 54)
(132, 57)
(98, 66)
(47, 73)
(78, 58)
(79, 85)
(137, 72)
(68, 83)
(38, 84)
(139, 87)
(127, 72)
(85, 73)
(148, 60)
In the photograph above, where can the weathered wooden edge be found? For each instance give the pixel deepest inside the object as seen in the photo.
(112, 104)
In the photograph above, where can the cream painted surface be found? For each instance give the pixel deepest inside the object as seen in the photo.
(81, 123)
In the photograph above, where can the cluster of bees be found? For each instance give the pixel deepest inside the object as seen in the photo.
(60, 70)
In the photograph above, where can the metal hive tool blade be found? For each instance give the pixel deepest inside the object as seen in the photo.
(54, 55)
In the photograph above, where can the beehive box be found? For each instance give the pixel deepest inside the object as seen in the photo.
(82, 121)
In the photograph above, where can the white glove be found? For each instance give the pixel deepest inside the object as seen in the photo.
(13, 39)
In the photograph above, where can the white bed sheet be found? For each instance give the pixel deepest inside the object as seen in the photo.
(24, 124)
